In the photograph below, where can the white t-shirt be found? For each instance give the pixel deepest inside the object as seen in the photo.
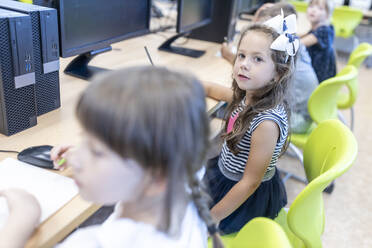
(124, 232)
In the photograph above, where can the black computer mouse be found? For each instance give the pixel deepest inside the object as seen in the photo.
(38, 156)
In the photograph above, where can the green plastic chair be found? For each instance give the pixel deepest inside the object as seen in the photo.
(323, 102)
(322, 105)
(261, 232)
(300, 6)
(347, 100)
(281, 219)
(345, 20)
(258, 233)
(359, 54)
(329, 152)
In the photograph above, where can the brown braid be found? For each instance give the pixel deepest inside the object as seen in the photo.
(201, 199)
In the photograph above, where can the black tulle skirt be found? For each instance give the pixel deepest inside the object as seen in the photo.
(266, 201)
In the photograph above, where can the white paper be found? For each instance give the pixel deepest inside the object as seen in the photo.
(51, 189)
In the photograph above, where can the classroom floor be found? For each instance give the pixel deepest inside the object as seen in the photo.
(348, 209)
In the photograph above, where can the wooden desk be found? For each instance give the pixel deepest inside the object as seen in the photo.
(61, 127)
(367, 14)
(367, 17)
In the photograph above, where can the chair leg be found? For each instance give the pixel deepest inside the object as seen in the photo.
(297, 152)
(341, 117)
(288, 174)
(351, 118)
(330, 188)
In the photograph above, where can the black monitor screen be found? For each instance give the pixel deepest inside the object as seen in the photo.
(193, 14)
(88, 25)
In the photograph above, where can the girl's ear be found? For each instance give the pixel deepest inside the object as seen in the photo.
(158, 185)
(156, 181)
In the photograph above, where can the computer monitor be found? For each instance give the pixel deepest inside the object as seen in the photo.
(192, 14)
(222, 26)
(89, 27)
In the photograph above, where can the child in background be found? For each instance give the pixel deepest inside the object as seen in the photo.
(244, 182)
(319, 41)
(304, 78)
(146, 136)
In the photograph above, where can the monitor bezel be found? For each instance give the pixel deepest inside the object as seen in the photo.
(64, 52)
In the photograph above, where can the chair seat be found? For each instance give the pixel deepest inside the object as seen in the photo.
(299, 139)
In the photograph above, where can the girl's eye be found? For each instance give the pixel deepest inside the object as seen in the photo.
(241, 56)
(258, 59)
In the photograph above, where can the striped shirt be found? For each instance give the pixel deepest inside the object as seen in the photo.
(232, 166)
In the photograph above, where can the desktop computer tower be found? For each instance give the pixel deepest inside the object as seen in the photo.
(224, 16)
(17, 75)
(46, 3)
(45, 41)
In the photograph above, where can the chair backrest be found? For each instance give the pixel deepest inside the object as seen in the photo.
(347, 100)
(329, 151)
(322, 104)
(300, 6)
(345, 20)
(261, 232)
(360, 53)
(356, 59)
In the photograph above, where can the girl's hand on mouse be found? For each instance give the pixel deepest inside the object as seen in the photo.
(58, 154)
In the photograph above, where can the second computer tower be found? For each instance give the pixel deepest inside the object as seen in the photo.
(46, 52)
(17, 76)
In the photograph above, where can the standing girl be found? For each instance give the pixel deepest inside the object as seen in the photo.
(319, 41)
(146, 135)
(243, 181)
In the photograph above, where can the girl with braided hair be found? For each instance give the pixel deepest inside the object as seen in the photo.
(145, 137)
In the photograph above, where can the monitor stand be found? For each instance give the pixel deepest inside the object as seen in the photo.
(79, 67)
(167, 47)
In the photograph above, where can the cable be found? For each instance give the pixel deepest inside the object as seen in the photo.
(9, 151)
(148, 55)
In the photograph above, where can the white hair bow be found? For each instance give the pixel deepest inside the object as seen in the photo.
(286, 27)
